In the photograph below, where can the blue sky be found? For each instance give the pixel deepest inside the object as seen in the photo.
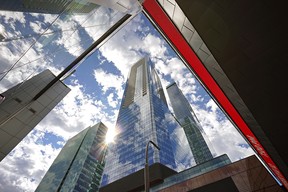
(96, 86)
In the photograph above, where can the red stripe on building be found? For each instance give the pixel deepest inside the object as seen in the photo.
(154, 10)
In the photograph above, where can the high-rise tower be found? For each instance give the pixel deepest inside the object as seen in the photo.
(19, 114)
(143, 116)
(188, 120)
(79, 165)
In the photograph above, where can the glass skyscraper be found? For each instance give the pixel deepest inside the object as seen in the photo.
(143, 116)
(19, 113)
(188, 120)
(48, 6)
(79, 165)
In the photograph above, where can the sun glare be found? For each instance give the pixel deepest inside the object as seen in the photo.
(110, 136)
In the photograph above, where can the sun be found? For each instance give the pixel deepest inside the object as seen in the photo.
(110, 135)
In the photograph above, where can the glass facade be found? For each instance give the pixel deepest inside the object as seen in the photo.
(188, 120)
(193, 172)
(48, 6)
(143, 116)
(36, 35)
(245, 175)
(19, 114)
(79, 165)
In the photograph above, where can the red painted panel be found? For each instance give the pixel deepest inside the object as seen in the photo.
(154, 10)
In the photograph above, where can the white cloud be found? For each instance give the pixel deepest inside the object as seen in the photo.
(97, 21)
(153, 45)
(109, 80)
(76, 111)
(36, 26)
(23, 169)
(117, 53)
(113, 103)
(10, 19)
(222, 134)
(125, 47)
(71, 41)
(28, 162)
(122, 48)
(212, 105)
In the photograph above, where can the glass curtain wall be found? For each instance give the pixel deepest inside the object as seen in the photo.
(188, 120)
(79, 165)
(143, 116)
(36, 35)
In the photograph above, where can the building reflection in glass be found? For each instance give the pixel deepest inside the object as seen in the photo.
(144, 116)
(79, 165)
(36, 35)
(188, 120)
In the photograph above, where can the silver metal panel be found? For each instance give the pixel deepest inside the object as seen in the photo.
(169, 8)
(20, 117)
(178, 17)
(196, 42)
(12, 127)
(188, 24)
(23, 132)
(202, 55)
(4, 138)
(187, 33)
(10, 145)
